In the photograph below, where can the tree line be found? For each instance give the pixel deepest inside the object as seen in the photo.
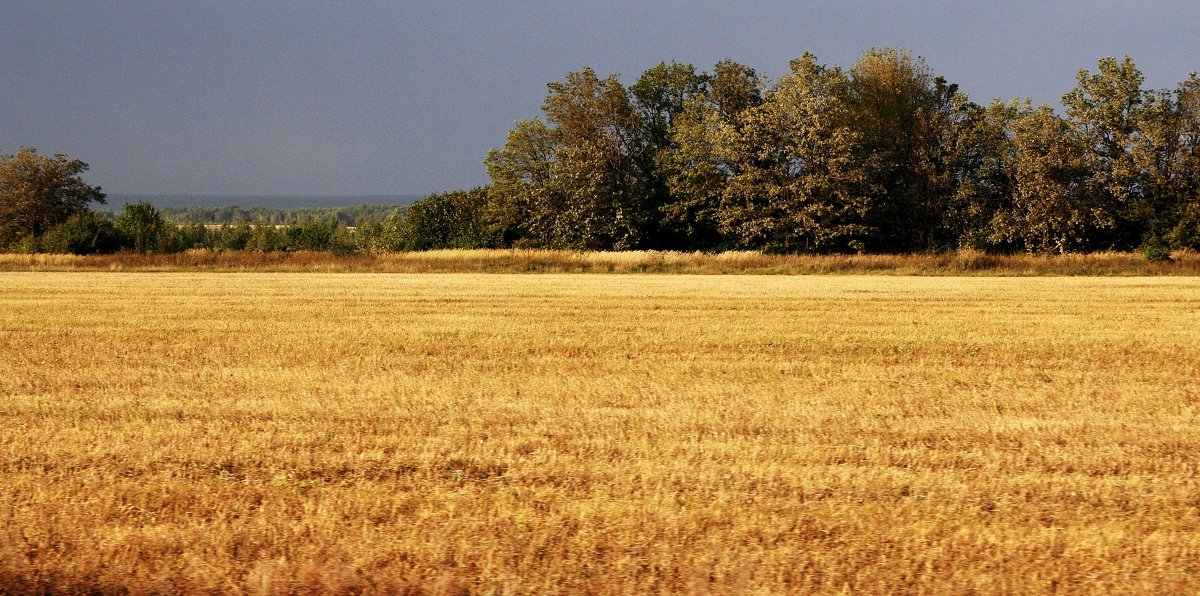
(233, 214)
(883, 157)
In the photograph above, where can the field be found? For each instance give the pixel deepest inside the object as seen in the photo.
(308, 432)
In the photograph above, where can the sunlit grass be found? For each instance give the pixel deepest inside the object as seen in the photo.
(275, 433)
(958, 263)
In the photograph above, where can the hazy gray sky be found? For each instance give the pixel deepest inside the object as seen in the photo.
(406, 97)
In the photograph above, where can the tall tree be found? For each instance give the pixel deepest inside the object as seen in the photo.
(661, 95)
(1185, 166)
(1108, 108)
(576, 180)
(695, 176)
(794, 183)
(142, 226)
(983, 161)
(904, 115)
(1057, 206)
(39, 192)
(523, 204)
(1167, 155)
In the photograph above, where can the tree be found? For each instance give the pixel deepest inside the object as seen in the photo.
(523, 206)
(573, 182)
(1166, 153)
(661, 96)
(1108, 109)
(695, 177)
(906, 122)
(84, 233)
(1057, 206)
(983, 162)
(1183, 179)
(142, 226)
(795, 184)
(38, 193)
(450, 220)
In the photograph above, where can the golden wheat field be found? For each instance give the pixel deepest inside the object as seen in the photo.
(330, 433)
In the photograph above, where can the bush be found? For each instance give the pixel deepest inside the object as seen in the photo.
(1157, 254)
(83, 234)
(234, 237)
(450, 220)
(320, 235)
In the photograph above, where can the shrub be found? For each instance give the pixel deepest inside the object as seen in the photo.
(83, 234)
(234, 237)
(1157, 254)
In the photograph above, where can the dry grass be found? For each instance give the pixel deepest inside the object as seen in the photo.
(562, 261)
(568, 434)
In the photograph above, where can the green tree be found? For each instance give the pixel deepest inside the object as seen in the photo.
(596, 173)
(38, 193)
(232, 237)
(1183, 179)
(266, 238)
(905, 118)
(574, 181)
(142, 226)
(695, 176)
(1108, 109)
(523, 205)
(983, 162)
(1166, 153)
(319, 235)
(661, 95)
(450, 220)
(795, 184)
(1057, 206)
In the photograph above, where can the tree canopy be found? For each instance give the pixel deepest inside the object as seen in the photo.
(886, 156)
(39, 192)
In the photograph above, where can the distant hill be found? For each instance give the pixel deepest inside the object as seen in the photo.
(117, 201)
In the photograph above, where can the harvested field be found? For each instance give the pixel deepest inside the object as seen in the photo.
(288, 432)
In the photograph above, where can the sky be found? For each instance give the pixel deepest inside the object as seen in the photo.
(405, 97)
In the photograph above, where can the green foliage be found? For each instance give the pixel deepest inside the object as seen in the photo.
(449, 220)
(796, 184)
(83, 234)
(886, 156)
(983, 162)
(266, 238)
(143, 227)
(1056, 207)
(231, 237)
(324, 235)
(232, 214)
(1157, 253)
(696, 177)
(1107, 110)
(907, 119)
(38, 193)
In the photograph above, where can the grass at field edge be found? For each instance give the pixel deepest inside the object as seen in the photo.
(1184, 263)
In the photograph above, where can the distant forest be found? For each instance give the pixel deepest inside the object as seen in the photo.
(181, 201)
(232, 214)
(883, 157)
